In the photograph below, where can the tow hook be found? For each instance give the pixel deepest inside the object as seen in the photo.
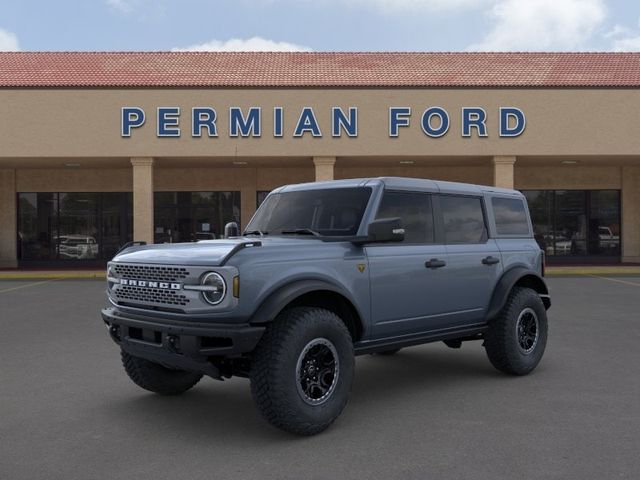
(114, 331)
(173, 343)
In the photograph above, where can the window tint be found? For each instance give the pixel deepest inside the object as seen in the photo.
(510, 215)
(329, 211)
(414, 209)
(463, 219)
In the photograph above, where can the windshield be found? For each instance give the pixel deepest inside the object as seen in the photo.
(326, 212)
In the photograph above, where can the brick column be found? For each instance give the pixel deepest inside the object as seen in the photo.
(630, 214)
(503, 166)
(324, 168)
(142, 199)
(8, 219)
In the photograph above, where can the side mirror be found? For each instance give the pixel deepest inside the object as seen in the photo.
(231, 229)
(385, 230)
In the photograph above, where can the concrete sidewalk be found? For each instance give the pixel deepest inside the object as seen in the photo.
(78, 274)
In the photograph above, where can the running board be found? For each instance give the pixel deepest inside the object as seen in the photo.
(471, 332)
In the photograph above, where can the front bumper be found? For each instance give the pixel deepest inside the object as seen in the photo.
(183, 345)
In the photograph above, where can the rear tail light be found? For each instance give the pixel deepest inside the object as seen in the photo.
(544, 262)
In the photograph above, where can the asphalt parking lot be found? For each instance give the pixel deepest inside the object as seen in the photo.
(68, 411)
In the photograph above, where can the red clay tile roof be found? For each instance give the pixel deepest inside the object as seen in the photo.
(270, 69)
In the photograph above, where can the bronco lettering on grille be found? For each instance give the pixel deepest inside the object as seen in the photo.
(150, 284)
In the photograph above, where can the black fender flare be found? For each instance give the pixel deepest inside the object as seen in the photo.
(506, 283)
(281, 297)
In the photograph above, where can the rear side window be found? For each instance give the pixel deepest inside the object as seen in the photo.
(510, 215)
(463, 219)
(414, 209)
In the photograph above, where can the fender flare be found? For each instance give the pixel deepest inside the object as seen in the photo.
(281, 297)
(508, 281)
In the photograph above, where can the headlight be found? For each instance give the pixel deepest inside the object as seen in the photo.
(215, 288)
(111, 273)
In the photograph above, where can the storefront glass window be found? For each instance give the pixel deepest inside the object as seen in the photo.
(260, 196)
(576, 223)
(55, 227)
(193, 216)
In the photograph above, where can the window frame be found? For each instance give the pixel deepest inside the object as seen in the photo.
(440, 215)
(523, 200)
(436, 234)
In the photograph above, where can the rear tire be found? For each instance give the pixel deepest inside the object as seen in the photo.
(302, 370)
(517, 337)
(156, 378)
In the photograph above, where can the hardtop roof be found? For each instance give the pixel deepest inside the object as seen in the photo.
(403, 183)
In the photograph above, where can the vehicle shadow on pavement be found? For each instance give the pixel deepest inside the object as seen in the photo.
(225, 410)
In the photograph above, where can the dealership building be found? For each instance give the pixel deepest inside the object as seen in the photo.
(97, 149)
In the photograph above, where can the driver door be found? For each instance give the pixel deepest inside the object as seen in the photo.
(408, 293)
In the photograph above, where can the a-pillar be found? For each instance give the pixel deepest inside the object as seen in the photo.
(324, 168)
(631, 214)
(503, 166)
(142, 199)
(8, 219)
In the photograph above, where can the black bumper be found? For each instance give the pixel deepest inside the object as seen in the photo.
(183, 345)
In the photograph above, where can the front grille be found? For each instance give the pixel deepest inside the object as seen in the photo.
(149, 272)
(152, 295)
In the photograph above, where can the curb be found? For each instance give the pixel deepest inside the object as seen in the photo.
(581, 271)
(52, 275)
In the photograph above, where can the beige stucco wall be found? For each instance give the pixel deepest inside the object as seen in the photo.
(44, 129)
(74, 180)
(76, 123)
(568, 177)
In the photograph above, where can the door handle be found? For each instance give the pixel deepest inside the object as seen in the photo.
(490, 260)
(435, 263)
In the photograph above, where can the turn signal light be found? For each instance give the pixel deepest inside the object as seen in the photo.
(236, 286)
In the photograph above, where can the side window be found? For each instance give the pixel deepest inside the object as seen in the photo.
(415, 211)
(510, 215)
(463, 219)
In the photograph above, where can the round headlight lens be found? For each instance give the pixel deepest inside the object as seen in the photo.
(111, 273)
(216, 288)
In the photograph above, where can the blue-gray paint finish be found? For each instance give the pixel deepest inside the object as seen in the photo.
(395, 294)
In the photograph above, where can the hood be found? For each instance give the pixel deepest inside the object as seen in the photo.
(207, 252)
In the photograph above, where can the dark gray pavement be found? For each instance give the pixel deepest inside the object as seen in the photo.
(68, 411)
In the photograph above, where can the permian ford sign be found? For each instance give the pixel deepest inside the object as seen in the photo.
(248, 122)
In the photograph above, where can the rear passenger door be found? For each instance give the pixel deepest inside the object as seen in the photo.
(406, 296)
(473, 259)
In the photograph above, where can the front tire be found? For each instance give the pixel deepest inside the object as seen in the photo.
(302, 370)
(156, 378)
(517, 337)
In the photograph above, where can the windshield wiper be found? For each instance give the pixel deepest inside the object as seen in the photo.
(301, 231)
(255, 232)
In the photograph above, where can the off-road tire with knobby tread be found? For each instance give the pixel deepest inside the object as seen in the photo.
(156, 378)
(501, 341)
(274, 370)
